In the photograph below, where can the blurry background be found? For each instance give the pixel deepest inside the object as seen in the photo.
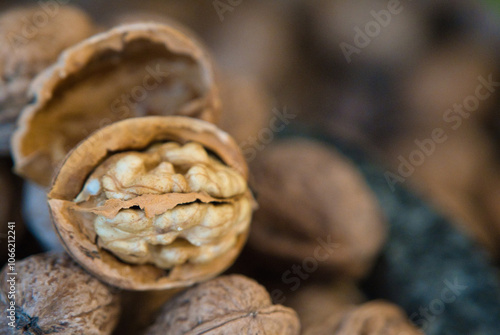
(416, 84)
(385, 74)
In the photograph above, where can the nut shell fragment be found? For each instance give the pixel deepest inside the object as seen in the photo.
(74, 220)
(55, 295)
(130, 71)
(225, 305)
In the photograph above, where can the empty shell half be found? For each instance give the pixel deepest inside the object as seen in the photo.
(130, 71)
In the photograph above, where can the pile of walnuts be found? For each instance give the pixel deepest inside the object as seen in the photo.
(152, 201)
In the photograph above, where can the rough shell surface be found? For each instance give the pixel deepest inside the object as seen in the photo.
(55, 296)
(225, 305)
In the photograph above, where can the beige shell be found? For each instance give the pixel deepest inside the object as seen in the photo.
(128, 135)
(225, 305)
(31, 40)
(314, 203)
(130, 71)
(55, 295)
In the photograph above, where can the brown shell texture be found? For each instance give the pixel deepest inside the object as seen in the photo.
(246, 108)
(225, 305)
(374, 318)
(130, 71)
(55, 296)
(310, 196)
(322, 305)
(73, 221)
(27, 49)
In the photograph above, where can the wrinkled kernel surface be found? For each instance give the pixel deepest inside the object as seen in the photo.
(195, 232)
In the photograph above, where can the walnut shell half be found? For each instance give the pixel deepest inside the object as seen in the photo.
(153, 202)
(130, 71)
(225, 305)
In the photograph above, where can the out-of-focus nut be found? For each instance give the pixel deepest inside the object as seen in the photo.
(130, 71)
(374, 318)
(451, 175)
(54, 295)
(311, 198)
(154, 202)
(29, 45)
(323, 306)
(225, 305)
(246, 109)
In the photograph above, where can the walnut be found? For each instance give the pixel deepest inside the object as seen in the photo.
(374, 318)
(54, 295)
(154, 202)
(225, 305)
(28, 47)
(311, 196)
(130, 71)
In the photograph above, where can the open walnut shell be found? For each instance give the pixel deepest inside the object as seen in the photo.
(153, 202)
(130, 71)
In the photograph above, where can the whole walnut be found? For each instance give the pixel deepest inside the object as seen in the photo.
(315, 209)
(226, 305)
(31, 43)
(54, 295)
